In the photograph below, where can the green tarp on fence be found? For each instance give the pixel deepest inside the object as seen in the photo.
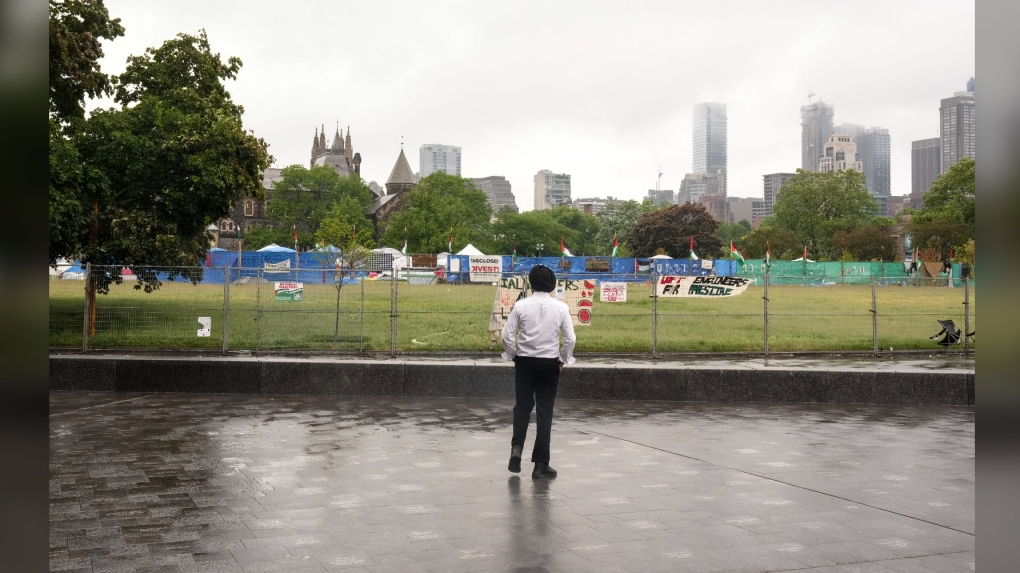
(836, 272)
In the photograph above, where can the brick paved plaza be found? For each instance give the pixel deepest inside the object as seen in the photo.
(217, 482)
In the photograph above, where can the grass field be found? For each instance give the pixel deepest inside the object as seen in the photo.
(434, 318)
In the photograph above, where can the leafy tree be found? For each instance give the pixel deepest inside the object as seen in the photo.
(136, 185)
(303, 198)
(527, 230)
(584, 229)
(438, 203)
(816, 206)
(337, 230)
(866, 243)
(76, 31)
(951, 198)
(258, 236)
(617, 219)
(784, 244)
(672, 229)
(732, 232)
(938, 236)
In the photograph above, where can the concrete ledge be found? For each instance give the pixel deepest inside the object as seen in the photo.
(495, 379)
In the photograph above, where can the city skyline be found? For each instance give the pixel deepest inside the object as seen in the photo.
(530, 86)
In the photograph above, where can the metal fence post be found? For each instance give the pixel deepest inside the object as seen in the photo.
(85, 317)
(655, 314)
(765, 297)
(258, 308)
(393, 317)
(226, 307)
(362, 283)
(874, 314)
(966, 315)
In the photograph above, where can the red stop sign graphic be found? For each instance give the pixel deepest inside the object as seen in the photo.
(584, 315)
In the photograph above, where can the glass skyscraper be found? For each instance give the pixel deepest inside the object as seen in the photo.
(709, 148)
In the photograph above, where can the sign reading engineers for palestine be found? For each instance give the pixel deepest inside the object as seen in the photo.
(710, 287)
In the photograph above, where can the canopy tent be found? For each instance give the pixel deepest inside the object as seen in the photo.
(274, 248)
(471, 250)
(802, 258)
(660, 257)
(328, 249)
(216, 250)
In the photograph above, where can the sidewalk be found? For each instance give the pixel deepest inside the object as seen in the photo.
(212, 482)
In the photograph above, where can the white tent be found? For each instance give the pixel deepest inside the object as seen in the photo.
(660, 257)
(801, 259)
(274, 248)
(471, 250)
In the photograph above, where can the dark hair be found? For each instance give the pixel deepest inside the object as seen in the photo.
(542, 279)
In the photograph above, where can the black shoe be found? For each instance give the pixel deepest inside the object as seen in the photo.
(543, 471)
(515, 459)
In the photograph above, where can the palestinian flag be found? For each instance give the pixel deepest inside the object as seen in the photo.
(768, 254)
(403, 251)
(513, 259)
(616, 246)
(950, 253)
(735, 254)
(805, 253)
(692, 256)
(294, 227)
(450, 249)
(564, 252)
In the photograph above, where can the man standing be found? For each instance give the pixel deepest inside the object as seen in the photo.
(531, 338)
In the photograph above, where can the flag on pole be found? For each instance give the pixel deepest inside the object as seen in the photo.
(295, 232)
(564, 252)
(513, 259)
(450, 249)
(805, 253)
(950, 253)
(768, 254)
(735, 254)
(692, 256)
(616, 246)
(403, 251)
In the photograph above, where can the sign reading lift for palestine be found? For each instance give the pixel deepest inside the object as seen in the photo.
(708, 287)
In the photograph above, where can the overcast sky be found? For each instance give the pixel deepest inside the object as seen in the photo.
(603, 91)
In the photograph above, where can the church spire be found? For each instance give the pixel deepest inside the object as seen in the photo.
(315, 146)
(349, 149)
(322, 138)
(338, 143)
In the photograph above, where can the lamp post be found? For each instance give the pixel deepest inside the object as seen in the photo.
(540, 246)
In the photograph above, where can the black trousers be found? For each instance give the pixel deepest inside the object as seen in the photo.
(536, 381)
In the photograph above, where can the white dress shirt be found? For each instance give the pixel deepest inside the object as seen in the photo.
(538, 322)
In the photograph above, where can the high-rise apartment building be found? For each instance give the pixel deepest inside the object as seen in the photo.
(551, 189)
(970, 85)
(750, 209)
(772, 182)
(925, 166)
(875, 149)
(816, 127)
(434, 157)
(660, 197)
(590, 205)
(717, 206)
(497, 189)
(695, 185)
(709, 138)
(958, 125)
(840, 154)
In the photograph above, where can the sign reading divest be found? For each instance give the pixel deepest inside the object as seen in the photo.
(288, 291)
(673, 286)
(486, 269)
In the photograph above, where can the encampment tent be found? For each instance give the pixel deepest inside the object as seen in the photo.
(656, 257)
(274, 248)
(471, 250)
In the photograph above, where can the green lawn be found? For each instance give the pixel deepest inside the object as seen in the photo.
(436, 318)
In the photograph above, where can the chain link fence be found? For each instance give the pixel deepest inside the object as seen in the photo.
(361, 312)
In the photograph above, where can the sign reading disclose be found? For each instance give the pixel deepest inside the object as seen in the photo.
(486, 269)
(709, 287)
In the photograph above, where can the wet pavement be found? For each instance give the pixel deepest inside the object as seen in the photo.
(213, 482)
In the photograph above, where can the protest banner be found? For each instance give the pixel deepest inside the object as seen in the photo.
(511, 289)
(485, 269)
(708, 287)
(578, 295)
(288, 291)
(613, 292)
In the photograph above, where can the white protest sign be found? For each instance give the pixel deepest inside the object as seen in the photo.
(485, 269)
(613, 292)
(206, 322)
(708, 287)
